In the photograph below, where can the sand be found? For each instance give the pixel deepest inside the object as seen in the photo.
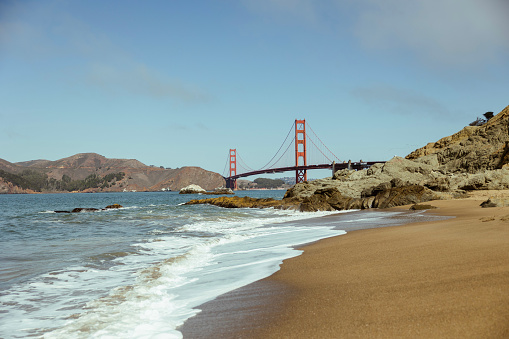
(442, 279)
(445, 279)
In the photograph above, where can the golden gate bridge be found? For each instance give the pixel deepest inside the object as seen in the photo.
(300, 151)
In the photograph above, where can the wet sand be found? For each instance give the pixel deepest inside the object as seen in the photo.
(441, 279)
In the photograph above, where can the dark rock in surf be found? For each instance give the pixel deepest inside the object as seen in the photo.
(82, 209)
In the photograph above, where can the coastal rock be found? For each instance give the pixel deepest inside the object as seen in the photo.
(495, 202)
(84, 209)
(474, 149)
(88, 209)
(405, 195)
(328, 199)
(192, 189)
(246, 202)
(417, 207)
(113, 206)
(222, 190)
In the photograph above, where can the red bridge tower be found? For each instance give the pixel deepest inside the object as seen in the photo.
(232, 183)
(300, 150)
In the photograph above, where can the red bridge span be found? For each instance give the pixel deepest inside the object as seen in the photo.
(305, 151)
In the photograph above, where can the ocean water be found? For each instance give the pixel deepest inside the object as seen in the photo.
(142, 270)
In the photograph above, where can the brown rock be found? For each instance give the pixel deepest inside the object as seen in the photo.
(495, 202)
(473, 149)
(422, 207)
(113, 206)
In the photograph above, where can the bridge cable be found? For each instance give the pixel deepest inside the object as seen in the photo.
(322, 144)
(245, 166)
(319, 149)
(226, 174)
(284, 153)
(270, 161)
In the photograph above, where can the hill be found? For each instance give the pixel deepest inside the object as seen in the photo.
(91, 172)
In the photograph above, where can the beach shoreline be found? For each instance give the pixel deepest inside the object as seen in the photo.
(444, 278)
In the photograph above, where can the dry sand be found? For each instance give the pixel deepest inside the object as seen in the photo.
(445, 279)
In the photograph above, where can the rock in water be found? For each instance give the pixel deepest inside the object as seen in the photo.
(222, 190)
(82, 209)
(113, 206)
(192, 189)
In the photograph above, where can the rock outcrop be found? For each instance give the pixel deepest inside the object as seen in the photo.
(472, 150)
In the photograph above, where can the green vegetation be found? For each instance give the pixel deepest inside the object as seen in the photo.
(38, 181)
(269, 183)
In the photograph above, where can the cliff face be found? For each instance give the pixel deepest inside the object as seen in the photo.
(138, 177)
(471, 150)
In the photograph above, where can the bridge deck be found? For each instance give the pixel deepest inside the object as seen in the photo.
(353, 165)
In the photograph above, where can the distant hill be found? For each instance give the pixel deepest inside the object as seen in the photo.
(84, 170)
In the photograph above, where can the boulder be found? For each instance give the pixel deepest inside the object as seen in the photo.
(192, 189)
(422, 207)
(222, 190)
(495, 202)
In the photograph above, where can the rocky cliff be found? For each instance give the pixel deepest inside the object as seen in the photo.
(472, 150)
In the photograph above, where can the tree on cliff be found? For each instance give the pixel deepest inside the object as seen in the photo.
(269, 183)
(480, 121)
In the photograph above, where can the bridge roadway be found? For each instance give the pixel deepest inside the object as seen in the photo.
(337, 166)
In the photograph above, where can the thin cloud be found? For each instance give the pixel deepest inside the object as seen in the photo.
(438, 32)
(300, 10)
(141, 80)
(58, 34)
(402, 102)
(447, 32)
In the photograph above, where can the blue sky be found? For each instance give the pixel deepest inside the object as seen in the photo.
(179, 83)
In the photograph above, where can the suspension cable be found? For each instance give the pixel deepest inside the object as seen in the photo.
(286, 150)
(320, 150)
(322, 144)
(270, 161)
(244, 163)
(225, 174)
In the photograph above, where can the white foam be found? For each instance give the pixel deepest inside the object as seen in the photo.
(153, 291)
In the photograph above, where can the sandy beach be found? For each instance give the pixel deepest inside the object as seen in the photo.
(442, 279)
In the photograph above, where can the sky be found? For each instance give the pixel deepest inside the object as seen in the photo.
(179, 83)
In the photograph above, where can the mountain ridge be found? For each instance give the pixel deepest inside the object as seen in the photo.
(137, 176)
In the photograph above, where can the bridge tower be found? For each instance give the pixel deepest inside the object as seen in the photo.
(230, 182)
(300, 150)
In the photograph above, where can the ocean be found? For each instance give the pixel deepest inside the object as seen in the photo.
(140, 271)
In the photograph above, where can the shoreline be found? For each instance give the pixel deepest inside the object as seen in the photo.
(441, 278)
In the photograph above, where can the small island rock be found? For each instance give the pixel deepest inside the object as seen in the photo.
(192, 189)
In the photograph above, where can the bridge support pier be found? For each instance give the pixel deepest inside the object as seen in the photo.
(231, 183)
